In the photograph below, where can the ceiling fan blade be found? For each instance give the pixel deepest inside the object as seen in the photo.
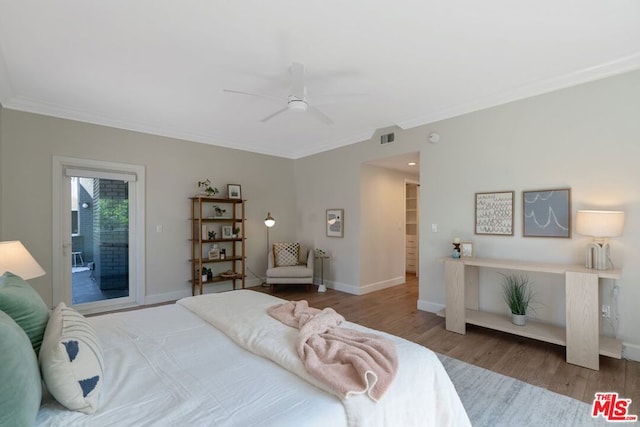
(319, 115)
(239, 92)
(271, 116)
(297, 80)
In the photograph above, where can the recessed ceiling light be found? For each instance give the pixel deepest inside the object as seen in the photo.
(411, 163)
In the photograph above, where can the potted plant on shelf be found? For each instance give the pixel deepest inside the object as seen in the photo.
(206, 188)
(518, 295)
(219, 212)
(236, 232)
(205, 273)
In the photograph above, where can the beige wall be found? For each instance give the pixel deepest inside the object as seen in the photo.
(586, 137)
(173, 167)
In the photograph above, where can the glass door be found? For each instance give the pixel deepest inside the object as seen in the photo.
(100, 239)
(99, 253)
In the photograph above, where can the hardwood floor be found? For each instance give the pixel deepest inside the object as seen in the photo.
(542, 364)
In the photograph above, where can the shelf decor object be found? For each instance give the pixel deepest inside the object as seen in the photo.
(494, 213)
(600, 225)
(207, 247)
(546, 213)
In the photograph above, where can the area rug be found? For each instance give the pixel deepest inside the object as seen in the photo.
(492, 399)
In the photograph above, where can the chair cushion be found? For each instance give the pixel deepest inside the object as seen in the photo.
(20, 301)
(71, 360)
(292, 271)
(20, 384)
(286, 254)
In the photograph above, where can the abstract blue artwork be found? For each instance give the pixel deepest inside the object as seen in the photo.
(547, 213)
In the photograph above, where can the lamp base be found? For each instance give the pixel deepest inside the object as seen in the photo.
(597, 256)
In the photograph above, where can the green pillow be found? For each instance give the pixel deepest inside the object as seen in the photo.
(24, 305)
(20, 384)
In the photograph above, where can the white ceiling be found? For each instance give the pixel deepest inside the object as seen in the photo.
(161, 66)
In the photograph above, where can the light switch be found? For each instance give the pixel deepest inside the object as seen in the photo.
(434, 228)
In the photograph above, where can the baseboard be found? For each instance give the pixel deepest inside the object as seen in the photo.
(631, 351)
(361, 290)
(431, 307)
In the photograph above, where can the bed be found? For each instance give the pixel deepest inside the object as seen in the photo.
(193, 363)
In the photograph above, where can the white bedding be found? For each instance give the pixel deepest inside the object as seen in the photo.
(166, 366)
(421, 395)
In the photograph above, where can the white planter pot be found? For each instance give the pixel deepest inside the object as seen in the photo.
(518, 319)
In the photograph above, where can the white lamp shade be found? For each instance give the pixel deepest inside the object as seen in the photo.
(600, 223)
(14, 257)
(269, 221)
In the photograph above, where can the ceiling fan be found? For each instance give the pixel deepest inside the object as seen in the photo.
(297, 99)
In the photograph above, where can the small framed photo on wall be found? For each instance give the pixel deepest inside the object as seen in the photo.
(234, 191)
(335, 222)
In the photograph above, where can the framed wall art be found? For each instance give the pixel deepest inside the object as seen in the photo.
(546, 213)
(335, 222)
(234, 191)
(494, 213)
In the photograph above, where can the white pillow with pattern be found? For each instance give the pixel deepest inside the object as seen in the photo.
(286, 254)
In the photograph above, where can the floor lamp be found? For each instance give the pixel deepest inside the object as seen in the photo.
(269, 222)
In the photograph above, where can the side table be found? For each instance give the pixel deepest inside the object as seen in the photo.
(322, 287)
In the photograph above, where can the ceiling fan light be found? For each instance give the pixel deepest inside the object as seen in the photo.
(297, 105)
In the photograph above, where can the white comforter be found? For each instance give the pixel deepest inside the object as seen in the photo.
(165, 366)
(421, 395)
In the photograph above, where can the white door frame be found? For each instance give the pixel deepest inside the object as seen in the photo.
(61, 238)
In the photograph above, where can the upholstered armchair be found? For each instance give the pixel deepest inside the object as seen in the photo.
(290, 263)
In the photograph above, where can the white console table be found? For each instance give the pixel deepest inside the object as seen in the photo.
(582, 333)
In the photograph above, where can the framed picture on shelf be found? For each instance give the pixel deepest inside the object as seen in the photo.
(335, 222)
(494, 213)
(227, 232)
(214, 253)
(466, 250)
(234, 191)
(546, 213)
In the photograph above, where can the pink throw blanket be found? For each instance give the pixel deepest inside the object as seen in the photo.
(346, 360)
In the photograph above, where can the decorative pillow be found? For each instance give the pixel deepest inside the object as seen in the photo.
(285, 254)
(71, 360)
(20, 301)
(20, 384)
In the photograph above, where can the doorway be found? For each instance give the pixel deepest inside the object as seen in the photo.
(412, 228)
(99, 248)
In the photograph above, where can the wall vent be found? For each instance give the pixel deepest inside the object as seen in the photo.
(387, 138)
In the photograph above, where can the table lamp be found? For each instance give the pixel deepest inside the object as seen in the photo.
(600, 225)
(15, 258)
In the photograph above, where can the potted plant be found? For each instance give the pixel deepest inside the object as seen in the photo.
(205, 272)
(518, 295)
(236, 232)
(206, 188)
(219, 211)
